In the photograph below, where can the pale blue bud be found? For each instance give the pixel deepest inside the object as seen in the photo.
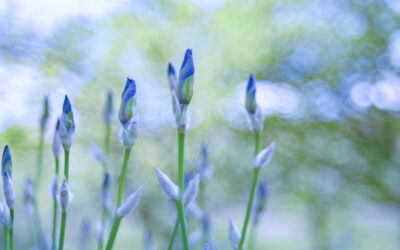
(57, 145)
(128, 132)
(186, 79)
(261, 199)
(5, 216)
(108, 113)
(170, 190)
(53, 188)
(203, 164)
(251, 103)
(130, 204)
(172, 78)
(96, 153)
(206, 247)
(180, 113)
(65, 195)
(67, 125)
(106, 192)
(128, 101)
(8, 189)
(234, 235)
(45, 115)
(6, 162)
(192, 190)
(99, 232)
(265, 156)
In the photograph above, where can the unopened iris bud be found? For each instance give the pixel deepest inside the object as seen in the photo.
(265, 156)
(53, 188)
(172, 78)
(203, 164)
(180, 113)
(130, 204)
(192, 190)
(170, 190)
(128, 132)
(251, 103)
(67, 125)
(8, 189)
(65, 196)
(45, 115)
(128, 101)
(108, 113)
(186, 79)
(97, 154)
(255, 121)
(106, 192)
(5, 217)
(57, 145)
(6, 162)
(234, 235)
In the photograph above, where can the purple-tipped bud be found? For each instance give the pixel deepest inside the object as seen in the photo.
(97, 154)
(29, 190)
(203, 164)
(8, 189)
(265, 156)
(53, 188)
(128, 132)
(67, 125)
(6, 162)
(192, 190)
(251, 103)
(234, 235)
(45, 115)
(128, 101)
(5, 217)
(57, 145)
(170, 190)
(106, 192)
(186, 79)
(172, 78)
(108, 113)
(130, 204)
(65, 196)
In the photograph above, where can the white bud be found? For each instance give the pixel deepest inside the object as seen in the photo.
(167, 186)
(192, 190)
(265, 156)
(130, 203)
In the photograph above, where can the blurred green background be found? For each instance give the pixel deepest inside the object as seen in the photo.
(328, 84)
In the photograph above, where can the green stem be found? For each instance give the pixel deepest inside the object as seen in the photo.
(107, 140)
(11, 230)
(5, 237)
(113, 233)
(66, 164)
(179, 204)
(173, 235)
(40, 159)
(122, 176)
(256, 172)
(62, 231)
(53, 235)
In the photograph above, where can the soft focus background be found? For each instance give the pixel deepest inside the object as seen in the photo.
(328, 83)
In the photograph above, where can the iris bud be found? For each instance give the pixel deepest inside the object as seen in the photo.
(234, 235)
(67, 125)
(128, 132)
(186, 79)
(172, 78)
(170, 190)
(265, 156)
(57, 145)
(6, 162)
(128, 101)
(130, 204)
(251, 103)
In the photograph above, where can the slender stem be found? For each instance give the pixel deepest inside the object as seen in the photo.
(179, 204)
(122, 176)
(256, 172)
(11, 230)
(107, 140)
(39, 159)
(53, 235)
(113, 233)
(66, 164)
(5, 237)
(62, 231)
(173, 235)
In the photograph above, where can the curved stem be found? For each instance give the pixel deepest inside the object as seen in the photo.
(122, 176)
(66, 164)
(62, 231)
(173, 235)
(113, 233)
(5, 237)
(256, 172)
(11, 230)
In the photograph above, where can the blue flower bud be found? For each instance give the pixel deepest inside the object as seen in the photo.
(234, 235)
(186, 79)
(8, 189)
(206, 246)
(128, 101)
(203, 164)
(108, 113)
(265, 156)
(57, 145)
(172, 78)
(65, 196)
(67, 125)
(261, 199)
(6, 162)
(192, 190)
(206, 223)
(180, 113)
(251, 103)
(96, 153)
(106, 192)
(130, 204)
(170, 190)
(128, 132)
(5, 216)
(45, 115)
